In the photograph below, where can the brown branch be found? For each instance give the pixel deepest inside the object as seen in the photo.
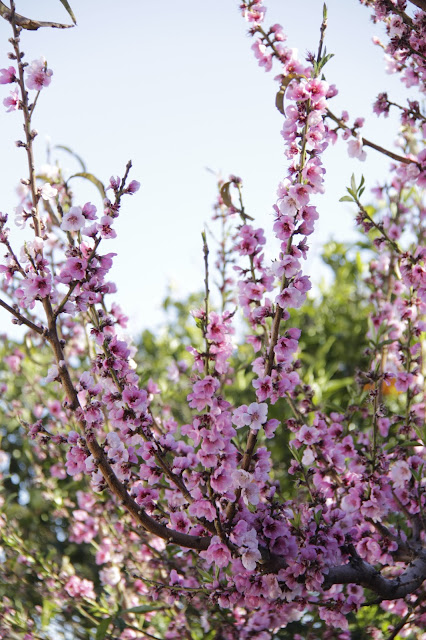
(22, 319)
(368, 143)
(28, 23)
(421, 4)
(364, 574)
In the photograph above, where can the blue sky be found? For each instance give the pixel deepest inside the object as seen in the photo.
(174, 86)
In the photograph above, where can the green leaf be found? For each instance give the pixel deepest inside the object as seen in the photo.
(73, 154)
(199, 323)
(92, 179)
(207, 576)
(353, 183)
(346, 199)
(143, 608)
(279, 98)
(226, 196)
(69, 10)
(103, 628)
(49, 608)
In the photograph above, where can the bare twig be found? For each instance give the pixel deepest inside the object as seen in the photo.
(22, 319)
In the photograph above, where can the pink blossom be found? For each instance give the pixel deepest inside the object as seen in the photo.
(47, 191)
(179, 521)
(12, 102)
(105, 228)
(257, 415)
(202, 509)
(7, 75)
(217, 553)
(133, 187)
(110, 575)
(403, 381)
(355, 149)
(261, 53)
(351, 501)
(263, 387)
(221, 480)
(38, 75)
(73, 220)
(400, 474)
(308, 435)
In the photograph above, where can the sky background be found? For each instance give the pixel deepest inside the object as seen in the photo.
(175, 87)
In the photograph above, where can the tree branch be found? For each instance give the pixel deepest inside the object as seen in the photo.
(368, 143)
(421, 4)
(357, 571)
(28, 23)
(22, 319)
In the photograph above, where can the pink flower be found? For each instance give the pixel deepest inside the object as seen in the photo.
(105, 228)
(179, 521)
(217, 553)
(400, 474)
(7, 75)
(47, 191)
(133, 187)
(38, 75)
(202, 509)
(351, 501)
(355, 149)
(74, 269)
(73, 220)
(257, 415)
(261, 53)
(263, 387)
(110, 575)
(12, 102)
(309, 435)
(221, 480)
(403, 381)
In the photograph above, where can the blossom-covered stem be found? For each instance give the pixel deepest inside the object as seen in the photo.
(410, 394)
(379, 228)
(206, 303)
(120, 191)
(100, 458)
(29, 135)
(375, 429)
(404, 16)
(67, 296)
(413, 111)
(15, 259)
(22, 319)
(217, 523)
(368, 143)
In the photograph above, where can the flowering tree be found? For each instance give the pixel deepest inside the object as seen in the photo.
(179, 524)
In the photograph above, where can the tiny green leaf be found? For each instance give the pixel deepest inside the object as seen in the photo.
(92, 179)
(69, 10)
(226, 196)
(103, 628)
(73, 154)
